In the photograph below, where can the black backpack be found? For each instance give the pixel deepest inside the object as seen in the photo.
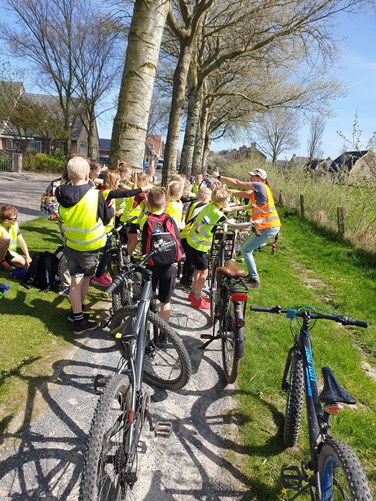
(164, 228)
(42, 271)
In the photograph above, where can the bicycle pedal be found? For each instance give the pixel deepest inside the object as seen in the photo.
(100, 382)
(206, 336)
(163, 429)
(291, 477)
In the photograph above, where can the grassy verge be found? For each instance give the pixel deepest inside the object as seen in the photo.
(308, 269)
(34, 330)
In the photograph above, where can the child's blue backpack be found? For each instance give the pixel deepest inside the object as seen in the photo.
(42, 271)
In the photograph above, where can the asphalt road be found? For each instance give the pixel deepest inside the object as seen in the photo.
(41, 457)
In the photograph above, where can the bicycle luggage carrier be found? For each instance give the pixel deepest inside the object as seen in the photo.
(217, 243)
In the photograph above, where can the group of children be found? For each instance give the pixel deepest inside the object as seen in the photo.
(89, 207)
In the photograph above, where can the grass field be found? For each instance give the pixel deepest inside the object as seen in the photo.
(309, 268)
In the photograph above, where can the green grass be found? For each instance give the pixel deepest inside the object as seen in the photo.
(308, 269)
(34, 330)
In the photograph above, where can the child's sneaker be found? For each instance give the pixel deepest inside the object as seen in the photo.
(191, 296)
(108, 278)
(70, 316)
(201, 304)
(81, 326)
(4, 266)
(101, 281)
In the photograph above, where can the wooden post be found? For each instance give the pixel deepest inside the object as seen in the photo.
(302, 205)
(280, 199)
(341, 221)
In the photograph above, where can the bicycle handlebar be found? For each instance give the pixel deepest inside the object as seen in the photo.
(121, 226)
(160, 246)
(291, 313)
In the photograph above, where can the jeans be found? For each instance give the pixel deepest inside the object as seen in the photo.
(103, 260)
(251, 244)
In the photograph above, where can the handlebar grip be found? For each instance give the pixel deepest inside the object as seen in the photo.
(111, 288)
(351, 321)
(267, 309)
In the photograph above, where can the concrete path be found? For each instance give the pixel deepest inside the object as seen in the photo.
(24, 191)
(199, 461)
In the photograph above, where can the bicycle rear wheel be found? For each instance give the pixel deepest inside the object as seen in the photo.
(294, 402)
(232, 342)
(103, 476)
(167, 363)
(214, 291)
(341, 474)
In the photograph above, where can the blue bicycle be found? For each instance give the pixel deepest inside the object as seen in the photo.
(333, 471)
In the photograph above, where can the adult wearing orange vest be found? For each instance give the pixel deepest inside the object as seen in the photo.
(264, 216)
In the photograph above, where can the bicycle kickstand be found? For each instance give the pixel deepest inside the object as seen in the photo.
(210, 338)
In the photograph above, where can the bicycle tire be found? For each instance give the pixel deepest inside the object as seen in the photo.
(341, 474)
(231, 336)
(294, 401)
(167, 363)
(214, 290)
(100, 479)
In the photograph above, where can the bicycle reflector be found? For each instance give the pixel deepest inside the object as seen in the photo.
(239, 296)
(333, 408)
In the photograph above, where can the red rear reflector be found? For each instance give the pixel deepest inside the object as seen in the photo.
(130, 417)
(239, 296)
(333, 408)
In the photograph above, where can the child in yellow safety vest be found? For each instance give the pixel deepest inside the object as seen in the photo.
(10, 238)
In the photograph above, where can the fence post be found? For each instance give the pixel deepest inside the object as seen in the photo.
(341, 221)
(280, 199)
(302, 205)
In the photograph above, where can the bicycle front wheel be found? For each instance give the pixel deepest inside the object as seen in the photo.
(167, 363)
(232, 341)
(294, 402)
(105, 457)
(341, 474)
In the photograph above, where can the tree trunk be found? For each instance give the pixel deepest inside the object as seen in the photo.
(197, 164)
(192, 129)
(177, 108)
(130, 124)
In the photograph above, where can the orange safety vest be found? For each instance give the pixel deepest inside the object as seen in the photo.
(267, 212)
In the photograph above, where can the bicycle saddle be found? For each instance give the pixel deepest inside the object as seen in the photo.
(332, 391)
(231, 270)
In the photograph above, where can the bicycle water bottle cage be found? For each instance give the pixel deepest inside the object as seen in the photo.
(332, 391)
(290, 313)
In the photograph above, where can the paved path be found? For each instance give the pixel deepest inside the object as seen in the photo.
(24, 190)
(43, 461)
(199, 462)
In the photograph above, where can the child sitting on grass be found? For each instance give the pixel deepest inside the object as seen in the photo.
(10, 238)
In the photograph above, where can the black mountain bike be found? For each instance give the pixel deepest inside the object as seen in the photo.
(333, 471)
(228, 299)
(152, 351)
(129, 290)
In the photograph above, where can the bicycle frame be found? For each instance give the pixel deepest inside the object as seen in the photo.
(317, 424)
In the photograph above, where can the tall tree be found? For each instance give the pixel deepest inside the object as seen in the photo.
(131, 120)
(277, 131)
(57, 37)
(316, 132)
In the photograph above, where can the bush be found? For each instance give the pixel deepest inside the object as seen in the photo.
(43, 163)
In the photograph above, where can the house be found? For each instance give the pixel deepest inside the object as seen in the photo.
(355, 164)
(154, 149)
(243, 153)
(319, 166)
(16, 138)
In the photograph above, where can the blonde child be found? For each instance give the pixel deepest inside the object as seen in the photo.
(174, 204)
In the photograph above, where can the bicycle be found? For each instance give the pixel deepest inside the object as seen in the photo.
(228, 299)
(157, 356)
(336, 471)
(117, 259)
